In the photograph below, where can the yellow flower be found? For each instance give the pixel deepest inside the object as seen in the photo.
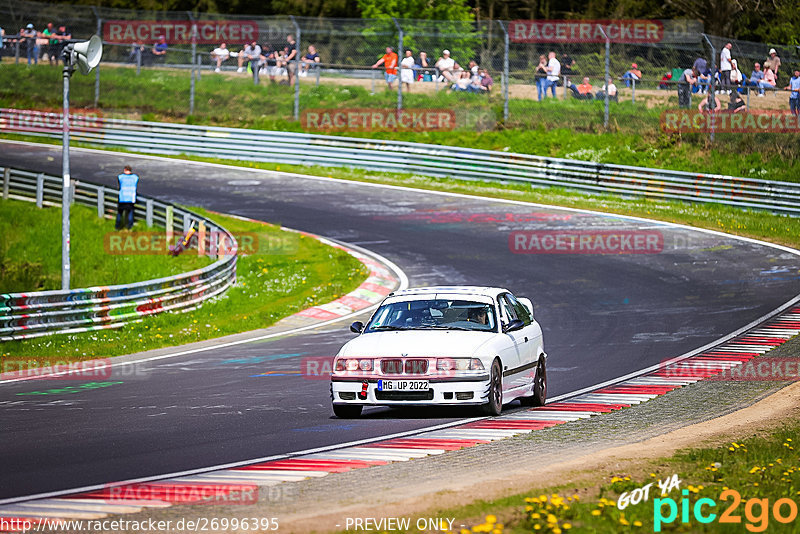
(637, 523)
(566, 526)
(551, 518)
(491, 519)
(597, 512)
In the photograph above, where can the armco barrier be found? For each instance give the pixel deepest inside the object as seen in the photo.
(28, 315)
(418, 158)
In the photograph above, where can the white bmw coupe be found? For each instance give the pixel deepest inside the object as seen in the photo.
(462, 345)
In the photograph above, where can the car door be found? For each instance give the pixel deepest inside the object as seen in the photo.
(530, 333)
(513, 352)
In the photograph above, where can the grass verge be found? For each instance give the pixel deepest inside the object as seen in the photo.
(286, 273)
(30, 251)
(569, 128)
(746, 477)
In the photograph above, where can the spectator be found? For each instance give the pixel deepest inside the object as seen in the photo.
(794, 96)
(567, 64)
(769, 81)
(446, 66)
(633, 75)
(241, 58)
(756, 76)
(725, 67)
(486, 82)
(685, 83)
(424, 65)
(665, 81)
(463, 82)
(389, 62)
(136, 53)
(128, 181)
(736, 105)
(29, 35)
(737, 78)
(291, 58)
(774, 61)
(407, 70)
(63, 36)
(252, 54)
(585, 90)
(540, 75)
(703, 106)
(609, 88)
(269, 62)
(703, 81)
(473, 68)
(309, 61)
(220, 54)
(49, 34)
(553, 73)
(700, 65)
(2, 41)
(159, 50)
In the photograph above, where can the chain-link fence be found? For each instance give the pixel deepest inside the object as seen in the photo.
(340, 74)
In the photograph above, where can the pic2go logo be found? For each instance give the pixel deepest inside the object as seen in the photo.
(756, 511)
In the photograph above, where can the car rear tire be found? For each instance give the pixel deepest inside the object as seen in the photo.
(539, 397)
(495, 404)
(347, 411)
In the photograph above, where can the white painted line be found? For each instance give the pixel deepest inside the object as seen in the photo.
(212, 480)
(120, 499)
(659, 381)
(226, 477)
(433, 451)
(288, 472)
(98, 506)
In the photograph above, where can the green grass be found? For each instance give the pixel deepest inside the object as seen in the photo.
(288, 272)
(765, 467)
(30, 251)
(569, 129)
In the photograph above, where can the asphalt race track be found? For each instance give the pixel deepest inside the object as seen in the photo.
(603, 316)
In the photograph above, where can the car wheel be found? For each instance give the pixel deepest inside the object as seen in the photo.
(539, 397)
(347, 411)
(495, 404)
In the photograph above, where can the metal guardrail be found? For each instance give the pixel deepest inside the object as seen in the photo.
(29, 315)
(418, 158)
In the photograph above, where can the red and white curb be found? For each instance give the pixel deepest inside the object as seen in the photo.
(216, 485)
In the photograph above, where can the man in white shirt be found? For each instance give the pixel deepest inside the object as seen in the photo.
(446, 64)
(725, 68)
(553, 72)
(220, 54)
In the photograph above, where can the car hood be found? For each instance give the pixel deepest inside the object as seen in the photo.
(417, 343)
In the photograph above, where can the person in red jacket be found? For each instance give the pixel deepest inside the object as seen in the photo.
(389, 62)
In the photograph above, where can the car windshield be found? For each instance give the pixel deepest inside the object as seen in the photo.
(434, 314)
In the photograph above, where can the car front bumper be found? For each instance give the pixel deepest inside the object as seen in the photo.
(451, 391)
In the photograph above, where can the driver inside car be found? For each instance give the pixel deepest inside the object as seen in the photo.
(477, 315)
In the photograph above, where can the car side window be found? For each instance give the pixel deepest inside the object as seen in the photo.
(507, 313)
(522, 311)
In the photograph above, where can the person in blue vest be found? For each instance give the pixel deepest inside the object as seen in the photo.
(127, 197)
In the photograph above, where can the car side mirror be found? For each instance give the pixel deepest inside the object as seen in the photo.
(357, 327)
(516, 324)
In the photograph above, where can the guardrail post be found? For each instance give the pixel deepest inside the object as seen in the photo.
(201, 239)
(6, 180)
(39, 190)
(169, 220)
(296, 69)
(16, 53)
(101, 201)
(187, 222)
(148, 212)
(138, 59)
(399, 69)
(97, 69)
(633, 91)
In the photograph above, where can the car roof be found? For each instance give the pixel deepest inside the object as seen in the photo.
(450, 290)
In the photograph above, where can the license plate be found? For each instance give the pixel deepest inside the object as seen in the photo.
(403, 385)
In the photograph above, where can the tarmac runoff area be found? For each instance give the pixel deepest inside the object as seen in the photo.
(581, 452)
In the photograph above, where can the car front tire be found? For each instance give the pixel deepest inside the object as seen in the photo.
(495, 404)
(539, 397)
(347, 411)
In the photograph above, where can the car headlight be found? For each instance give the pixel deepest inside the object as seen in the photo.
(353, 364)
(459, 364)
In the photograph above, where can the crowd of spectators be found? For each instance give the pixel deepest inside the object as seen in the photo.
(46, 45)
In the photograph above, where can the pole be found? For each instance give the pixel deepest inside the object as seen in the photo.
(712, 86)
(506, 80)
(297, 70)
(97, 71)
(65, 264)
(194, 62)
(607, 78)
(399, 69)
